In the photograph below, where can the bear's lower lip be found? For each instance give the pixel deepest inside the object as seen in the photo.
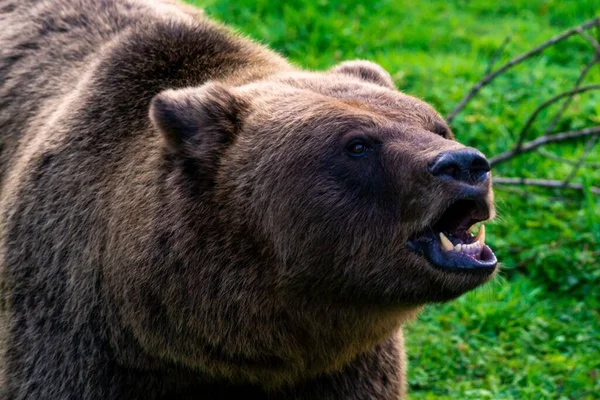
(429, 246)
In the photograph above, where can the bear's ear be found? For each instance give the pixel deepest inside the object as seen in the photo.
(367, 71)
(197, 121)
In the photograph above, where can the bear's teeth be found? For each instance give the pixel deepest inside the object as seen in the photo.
(446, 243)
(463, 247)
(468, 248)
(481, 235)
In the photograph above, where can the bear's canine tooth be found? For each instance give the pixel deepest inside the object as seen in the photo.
(446, 243)
(481, 235)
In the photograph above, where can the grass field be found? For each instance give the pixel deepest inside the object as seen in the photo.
(535, 332)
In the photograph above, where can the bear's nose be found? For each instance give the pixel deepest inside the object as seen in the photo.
(465, 165)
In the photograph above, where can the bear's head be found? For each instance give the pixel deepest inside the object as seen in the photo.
(295, 208)
(358, 191)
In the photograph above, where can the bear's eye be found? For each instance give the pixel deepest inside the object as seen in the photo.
(357, 148)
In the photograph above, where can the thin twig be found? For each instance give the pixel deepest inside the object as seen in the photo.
(581, 162)
(567, 102)
(594, 139)
(590, 40)
(547, 183)
(549, 102)
(492, 75)
(497, 54)
(542, 140)
(588, 147)
(563, 160)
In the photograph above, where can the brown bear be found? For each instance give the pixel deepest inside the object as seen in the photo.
(184, 214)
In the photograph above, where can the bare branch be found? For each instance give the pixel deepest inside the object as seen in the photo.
(594, 139)
(492, 75)
(552, 100)
(542, 140)
(547, 183)
(497, 54)
(522, 146)
(563, 160)
(590, 40)
(567, 102)
(588, 147)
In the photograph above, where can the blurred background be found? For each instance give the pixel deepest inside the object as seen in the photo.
(533, 333)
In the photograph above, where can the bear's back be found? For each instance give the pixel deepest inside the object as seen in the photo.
(76, 81)
(46, 46)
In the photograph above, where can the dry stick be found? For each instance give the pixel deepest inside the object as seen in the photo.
(567, 102)
(547, 183)
(492, 75)
(563, 160)
(594, 139)
(497, 54)
(588, 147)
(580, 79)
(550, 101)
(581, 162)
(542, 140)
(590, 39)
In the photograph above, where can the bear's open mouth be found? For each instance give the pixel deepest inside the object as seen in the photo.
(448, 244)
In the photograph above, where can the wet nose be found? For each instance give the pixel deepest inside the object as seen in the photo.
(464, 165)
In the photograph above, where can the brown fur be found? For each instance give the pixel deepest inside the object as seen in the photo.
(177, 217)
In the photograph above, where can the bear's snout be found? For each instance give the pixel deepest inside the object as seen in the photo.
(466, 166)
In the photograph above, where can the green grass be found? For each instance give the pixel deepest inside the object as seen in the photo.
(510, 340)
(535, 332)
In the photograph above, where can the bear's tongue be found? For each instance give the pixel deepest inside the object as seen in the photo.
(465, 243)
